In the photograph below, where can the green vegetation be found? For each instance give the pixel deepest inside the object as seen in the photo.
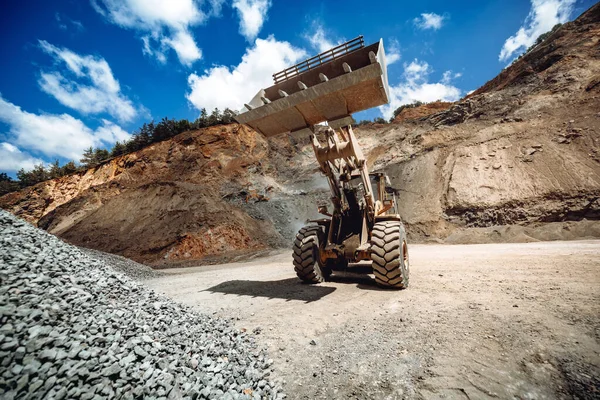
(148, 133)
(7, 184)
(364, 122)
(543, 37)
(398, 110)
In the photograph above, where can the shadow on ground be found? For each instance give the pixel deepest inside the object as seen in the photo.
(287, 289)
(359, 275)
(294, 289)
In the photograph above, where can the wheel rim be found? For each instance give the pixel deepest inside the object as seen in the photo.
(405, 254)
(317, 266)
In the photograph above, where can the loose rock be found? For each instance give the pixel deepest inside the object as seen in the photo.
(81, 329)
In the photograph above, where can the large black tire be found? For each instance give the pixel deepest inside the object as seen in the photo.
(389, 253)
(306, 255)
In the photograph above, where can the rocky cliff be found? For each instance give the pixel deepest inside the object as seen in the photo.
(515, 160)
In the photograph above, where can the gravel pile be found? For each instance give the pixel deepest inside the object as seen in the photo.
(129, 267)
(71, 327)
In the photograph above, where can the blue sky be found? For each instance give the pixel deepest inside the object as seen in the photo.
(87, 73)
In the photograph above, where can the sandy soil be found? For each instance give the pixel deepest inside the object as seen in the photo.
(478, 321)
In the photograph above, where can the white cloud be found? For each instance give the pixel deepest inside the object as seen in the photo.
(253, 14)
(544, 14)
(215, 7)
(102, 94)
(163, 24)
(222, 87)
(416, 87)
(65, 23)
(55, 135)
(159, 53)
(429, 21)
(110, 133)
(448, 77)
(185, 47)
(13, 159)
(392, 54)
(320, 40)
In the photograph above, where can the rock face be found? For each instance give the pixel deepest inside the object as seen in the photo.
(71, 327)
(521, 150)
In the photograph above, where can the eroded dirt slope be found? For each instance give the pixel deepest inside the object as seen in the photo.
(523, 149)
(422, 111)
(175, 200)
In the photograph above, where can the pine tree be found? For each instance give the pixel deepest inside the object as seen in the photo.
(39, 173)
(182, 125)
(88, 159)
(118, 149)
(144, 136)
(7, 184)
(203, 120)
(69, 168)
(228, 116)
(55, 170)
(24, 178)
(101, 155)
(215, 117)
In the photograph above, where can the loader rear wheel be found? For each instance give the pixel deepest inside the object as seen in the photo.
(389, 253)
(306, 255)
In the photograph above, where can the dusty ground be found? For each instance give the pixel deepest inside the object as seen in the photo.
(478, 321)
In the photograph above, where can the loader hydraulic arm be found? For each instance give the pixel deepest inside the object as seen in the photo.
(339, 158)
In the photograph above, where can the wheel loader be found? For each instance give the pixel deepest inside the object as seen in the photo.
(364, 223)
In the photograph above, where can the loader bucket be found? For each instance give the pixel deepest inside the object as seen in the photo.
(327, 87)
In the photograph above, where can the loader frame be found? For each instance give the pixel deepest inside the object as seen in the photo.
(348, 230)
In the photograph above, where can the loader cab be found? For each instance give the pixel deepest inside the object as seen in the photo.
(383, 192)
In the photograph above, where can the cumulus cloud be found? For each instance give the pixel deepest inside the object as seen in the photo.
(429, 21)
(544, 14)
(12, 159)
(164, 25)
(55, 135)
(253, 14)
(321, 40)
(110, 133)
(97, 90)
(448, 77)
(185, 47)
(222, 86)
(392, 53)
(416, 87)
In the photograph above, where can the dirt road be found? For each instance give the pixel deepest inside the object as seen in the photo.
(478, 321)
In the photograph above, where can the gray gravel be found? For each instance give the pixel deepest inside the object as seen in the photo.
(71, 327)
(129, 267)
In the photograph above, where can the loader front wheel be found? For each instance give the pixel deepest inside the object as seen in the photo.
(389, 253)
(306, 255)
